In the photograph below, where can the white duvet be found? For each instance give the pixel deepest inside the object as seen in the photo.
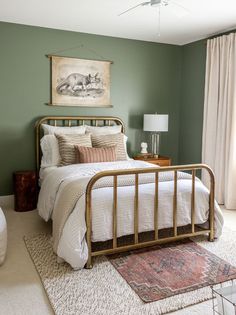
(72, 245)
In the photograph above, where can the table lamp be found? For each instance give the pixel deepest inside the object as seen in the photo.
(155, 124)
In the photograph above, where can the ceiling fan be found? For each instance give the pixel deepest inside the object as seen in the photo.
(182, 11)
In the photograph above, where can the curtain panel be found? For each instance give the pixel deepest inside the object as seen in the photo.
(219, 125)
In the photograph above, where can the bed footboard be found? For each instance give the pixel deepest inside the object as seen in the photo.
(137, 243)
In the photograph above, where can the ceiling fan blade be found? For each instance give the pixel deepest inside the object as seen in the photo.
(134, 7)
(145, 3)
(181, 10)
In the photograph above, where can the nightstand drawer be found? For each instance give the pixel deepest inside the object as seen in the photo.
(160, 161)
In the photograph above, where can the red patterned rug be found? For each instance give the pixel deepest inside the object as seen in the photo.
(166, 270)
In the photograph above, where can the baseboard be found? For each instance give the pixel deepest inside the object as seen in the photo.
(7, 201)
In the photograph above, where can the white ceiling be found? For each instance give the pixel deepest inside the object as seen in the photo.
(203, 18)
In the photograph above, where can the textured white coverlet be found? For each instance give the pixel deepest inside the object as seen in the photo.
(72, 245)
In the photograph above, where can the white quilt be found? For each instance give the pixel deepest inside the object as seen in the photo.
(72, 245)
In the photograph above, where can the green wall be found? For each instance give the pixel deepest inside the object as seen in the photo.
(192, 102)
(146, 78)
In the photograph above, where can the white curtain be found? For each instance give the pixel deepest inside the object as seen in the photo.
(219, 125)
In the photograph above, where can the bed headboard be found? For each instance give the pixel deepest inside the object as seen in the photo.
(69, 121)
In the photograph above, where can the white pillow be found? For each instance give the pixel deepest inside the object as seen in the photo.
(51, 130)
(3, 236)
(125, 143)
(104, 130)
(50, 149)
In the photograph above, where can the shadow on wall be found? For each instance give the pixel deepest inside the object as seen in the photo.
(136, 128)
(16, 151)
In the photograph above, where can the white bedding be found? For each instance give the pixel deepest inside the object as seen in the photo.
(44, 171)
(72, 245)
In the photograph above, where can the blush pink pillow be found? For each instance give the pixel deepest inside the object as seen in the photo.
(94, 155)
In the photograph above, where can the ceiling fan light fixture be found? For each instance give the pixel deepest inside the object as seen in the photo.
(158, 4)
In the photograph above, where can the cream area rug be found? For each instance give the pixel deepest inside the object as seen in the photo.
(102, 290)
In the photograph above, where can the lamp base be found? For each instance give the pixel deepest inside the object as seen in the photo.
(155, 144)
(156, 156)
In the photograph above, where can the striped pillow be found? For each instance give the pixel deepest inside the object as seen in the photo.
(94, 155)
(112, 140)
(67, 146)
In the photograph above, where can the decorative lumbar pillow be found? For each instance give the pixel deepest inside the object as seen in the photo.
(95, 155)
(50, 150)
(3, 236)
(112, 140)
(104, 130)
(67, 146)
(51, 130)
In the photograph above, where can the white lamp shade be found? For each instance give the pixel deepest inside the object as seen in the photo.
(155, 122)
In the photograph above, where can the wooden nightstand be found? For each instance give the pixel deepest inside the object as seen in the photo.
(25, 189)
(161, 160)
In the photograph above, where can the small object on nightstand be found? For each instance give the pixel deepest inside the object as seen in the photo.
(161, 160)
(25, 189)
(144, 146)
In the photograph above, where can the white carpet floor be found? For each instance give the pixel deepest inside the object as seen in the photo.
(21, 291)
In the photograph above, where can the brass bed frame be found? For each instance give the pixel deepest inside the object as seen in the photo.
(137, 243)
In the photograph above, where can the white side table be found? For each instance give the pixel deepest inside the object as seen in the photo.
(3, 236)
